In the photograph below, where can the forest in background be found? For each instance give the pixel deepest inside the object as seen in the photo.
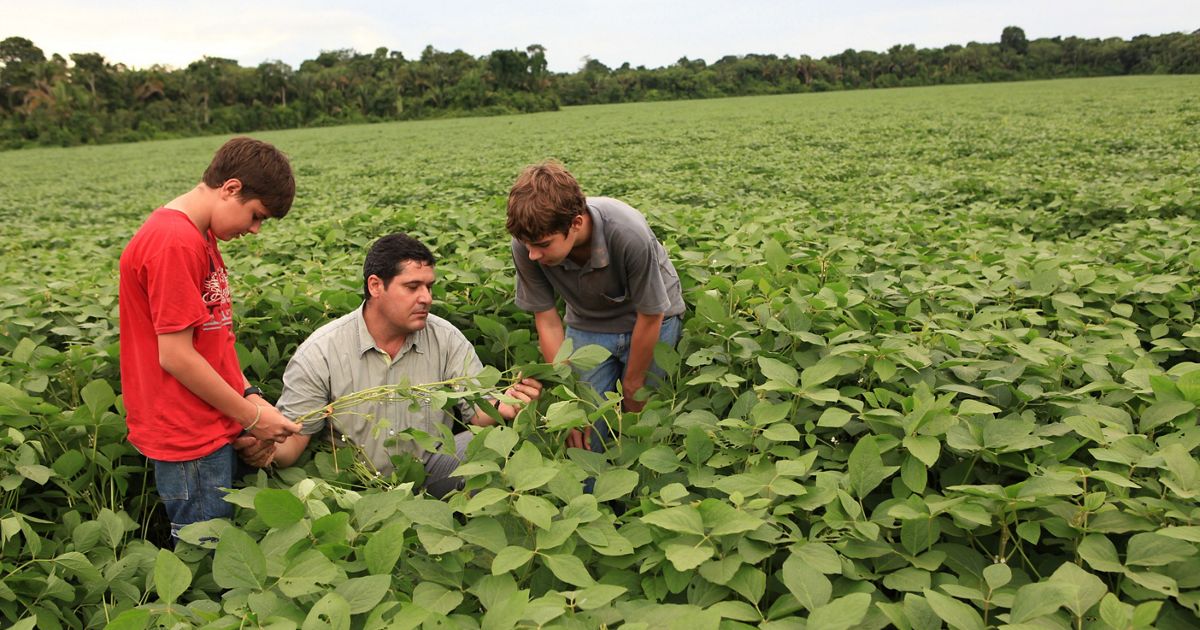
(87, 99)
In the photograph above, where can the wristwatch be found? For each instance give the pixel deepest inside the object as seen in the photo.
(251, 391)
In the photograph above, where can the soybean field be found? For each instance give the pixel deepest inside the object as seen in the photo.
(940, 368)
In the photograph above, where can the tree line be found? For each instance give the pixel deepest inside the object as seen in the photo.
(87, 99)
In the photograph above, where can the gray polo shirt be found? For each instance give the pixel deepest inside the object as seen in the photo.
(628, 273)
(341, 358)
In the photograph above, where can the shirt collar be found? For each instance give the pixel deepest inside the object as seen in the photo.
(366, 343)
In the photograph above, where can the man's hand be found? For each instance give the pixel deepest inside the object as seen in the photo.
(272, 426)
(526, 391)
(253, 451)
(580, 438)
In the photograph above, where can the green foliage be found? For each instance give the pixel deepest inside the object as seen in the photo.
(940, 368)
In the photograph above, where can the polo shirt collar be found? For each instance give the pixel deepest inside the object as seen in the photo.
(366, 342)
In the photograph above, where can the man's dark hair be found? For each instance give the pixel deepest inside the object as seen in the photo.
(388, 255)
(265, 173)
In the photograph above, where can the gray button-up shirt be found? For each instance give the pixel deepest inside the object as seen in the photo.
(627, 273)
(341, 358)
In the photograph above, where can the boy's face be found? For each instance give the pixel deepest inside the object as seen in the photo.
(232, 217)
(405, 301)
(553, 249)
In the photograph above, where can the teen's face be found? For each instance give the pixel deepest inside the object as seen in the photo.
(232, 217)
(550, 250)
(405, 301)
(553, 249)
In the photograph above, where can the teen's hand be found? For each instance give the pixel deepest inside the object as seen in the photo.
(526, 391)
(272, 426)
(253, 451)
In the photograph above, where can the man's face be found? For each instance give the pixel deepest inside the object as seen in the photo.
(405, 301)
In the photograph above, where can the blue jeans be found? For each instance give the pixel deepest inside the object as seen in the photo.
(194, 490)
(603, 378)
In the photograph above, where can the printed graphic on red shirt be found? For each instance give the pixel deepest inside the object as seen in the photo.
(216, 297)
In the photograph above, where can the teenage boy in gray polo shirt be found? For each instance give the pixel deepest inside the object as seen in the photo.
(391, 338)
(601, 257)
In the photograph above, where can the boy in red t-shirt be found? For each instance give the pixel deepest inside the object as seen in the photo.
(186, 399)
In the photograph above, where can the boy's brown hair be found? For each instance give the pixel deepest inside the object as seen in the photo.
(265, 173)
(543, 201)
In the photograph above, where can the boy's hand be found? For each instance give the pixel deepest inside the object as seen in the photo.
(526, 391)
(629, 401)
(253, 451)
(273, 426)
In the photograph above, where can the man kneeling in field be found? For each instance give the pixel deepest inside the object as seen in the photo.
(391, 338)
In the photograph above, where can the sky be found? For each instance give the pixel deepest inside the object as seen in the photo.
(642, 32)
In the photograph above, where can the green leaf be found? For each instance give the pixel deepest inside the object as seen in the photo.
(684, 519)
(501, 440)
(239, 562)
(171, 576)
(834, 417)
(384, 547)
(820, 372)
(687, 556)
(776, 370)
(565, 414)
(132, 619)
(1100, 554)
(842, 613)
(363, 593)
(971, 407)
(99, 396)
(660, 459)
(1084, 589)
(597, 595)
(811, 588)
(331, 612)
(614, 484)
(437, 598)
(570, 569)
(1189, 386)
(819, 556)
(782, 432)
(749, 582)
(956, 614)
(924, 447)
(278, 508)
(588, 357)
(536, 510)
(865, 469)
(510, 558)
(997, 575)
(1039, 599)
(1150, 549)
(307, 573)
(1163, 412)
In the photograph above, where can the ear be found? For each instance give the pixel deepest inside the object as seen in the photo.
(375, 285)
(232, 187)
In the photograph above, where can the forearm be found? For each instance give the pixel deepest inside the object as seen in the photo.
(550, 333)
(180, 359)
(289, 451)
(641, 350)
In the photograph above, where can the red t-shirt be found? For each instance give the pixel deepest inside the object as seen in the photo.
(173, 278)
